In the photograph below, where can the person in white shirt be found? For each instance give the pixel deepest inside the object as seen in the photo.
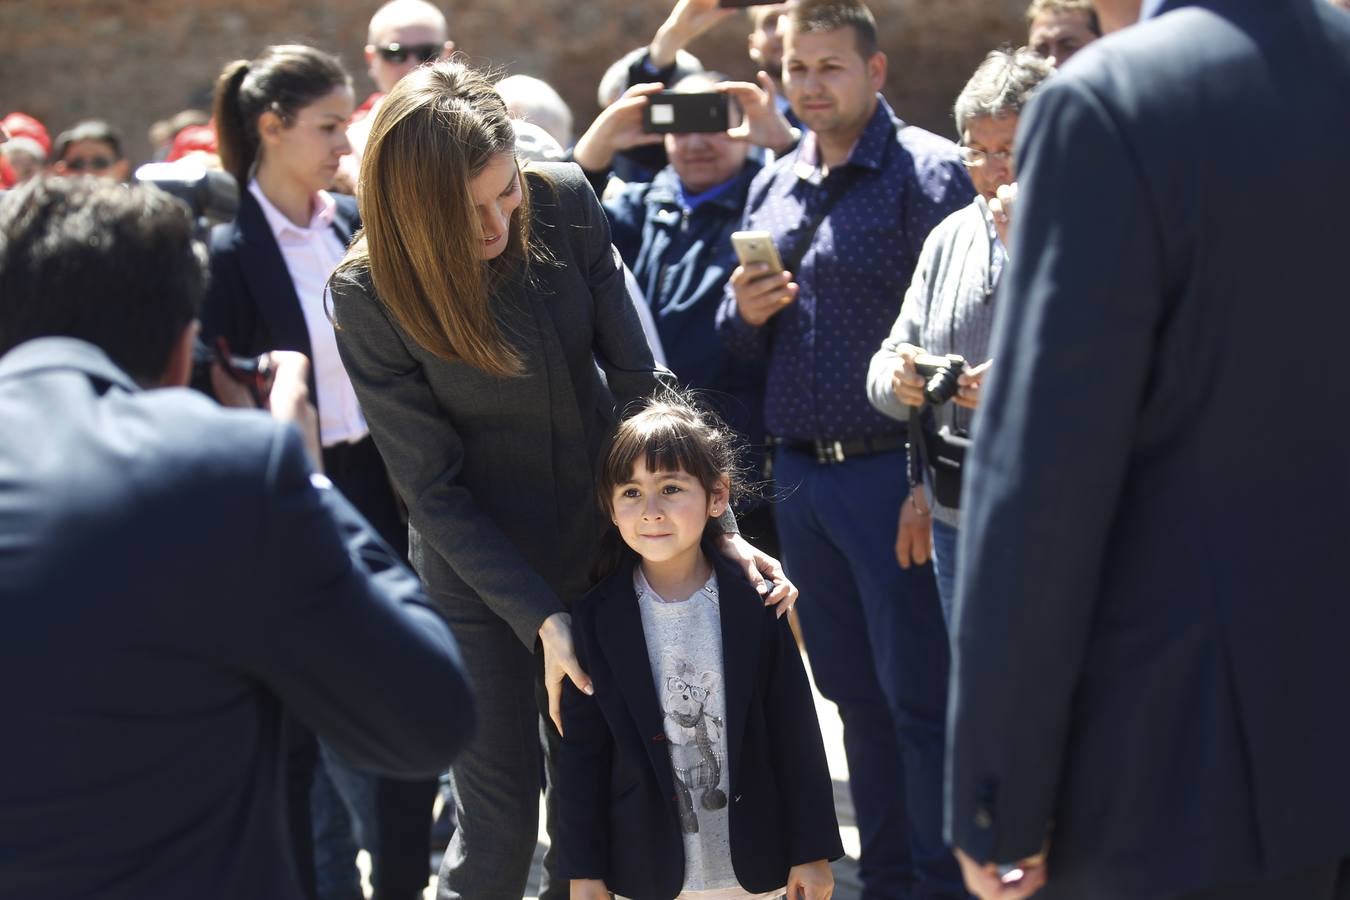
(281, 127)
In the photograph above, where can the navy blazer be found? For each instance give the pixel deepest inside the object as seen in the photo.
(1152, 629)
(619, 817)
(171, 581)
(251, 299)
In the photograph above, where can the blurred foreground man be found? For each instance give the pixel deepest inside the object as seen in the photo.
(173, 578)
(1150, 666)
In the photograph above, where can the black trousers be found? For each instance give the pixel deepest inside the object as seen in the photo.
(402, 808)
(1329, 881)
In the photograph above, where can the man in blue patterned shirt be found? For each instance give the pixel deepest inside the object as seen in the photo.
(874, 630)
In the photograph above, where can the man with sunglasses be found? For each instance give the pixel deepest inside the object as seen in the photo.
(92, 147)
(402, 35)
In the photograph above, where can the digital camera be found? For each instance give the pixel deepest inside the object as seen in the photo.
(940, 374)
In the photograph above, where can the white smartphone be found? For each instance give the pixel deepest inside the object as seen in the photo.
(756, 247)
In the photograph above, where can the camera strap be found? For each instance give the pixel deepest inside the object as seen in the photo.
(803, 237)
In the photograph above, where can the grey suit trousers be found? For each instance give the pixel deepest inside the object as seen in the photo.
(496, 779)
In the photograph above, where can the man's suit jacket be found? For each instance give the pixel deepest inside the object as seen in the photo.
(170, 581)
(1151, 660)
(251, 297)
(620, 819)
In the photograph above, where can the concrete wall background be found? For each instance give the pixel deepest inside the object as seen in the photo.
(136, 61)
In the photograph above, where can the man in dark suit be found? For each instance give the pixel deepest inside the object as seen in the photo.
(172, 578)
(1151, 659)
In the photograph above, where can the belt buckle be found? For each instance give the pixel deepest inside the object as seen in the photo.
(829, 452)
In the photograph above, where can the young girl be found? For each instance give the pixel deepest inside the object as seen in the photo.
(696, 768)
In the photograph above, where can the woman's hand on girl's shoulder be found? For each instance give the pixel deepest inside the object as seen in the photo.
(763, 571)
(589, 889)
(808, 881)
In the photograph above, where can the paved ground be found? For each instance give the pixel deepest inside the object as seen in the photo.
(845, 871)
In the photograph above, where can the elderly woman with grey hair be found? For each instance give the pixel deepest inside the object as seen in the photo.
(948, 309)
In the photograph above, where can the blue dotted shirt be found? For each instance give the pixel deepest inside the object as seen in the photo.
(904, 182)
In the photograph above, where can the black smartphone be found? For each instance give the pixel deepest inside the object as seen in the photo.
(741, 4)
(671, 112)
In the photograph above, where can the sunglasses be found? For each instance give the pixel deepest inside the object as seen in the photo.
(95, 164)
(399, 53)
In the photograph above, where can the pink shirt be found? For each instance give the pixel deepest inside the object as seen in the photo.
(311, 254)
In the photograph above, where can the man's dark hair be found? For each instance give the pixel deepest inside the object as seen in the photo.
(109, 264)
(89, 130)
(831, 15)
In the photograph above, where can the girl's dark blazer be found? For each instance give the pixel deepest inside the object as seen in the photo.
(251, 299)
(617, 794)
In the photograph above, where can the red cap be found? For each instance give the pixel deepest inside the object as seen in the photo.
(23, 125)
(191, 139)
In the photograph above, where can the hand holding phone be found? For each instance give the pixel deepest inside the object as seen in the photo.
(761, 286)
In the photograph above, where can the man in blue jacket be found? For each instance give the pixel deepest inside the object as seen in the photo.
(174, 579)
(1150, 655)
(674, 233)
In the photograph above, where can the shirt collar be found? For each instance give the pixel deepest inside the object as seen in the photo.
(644, 589)
(325, 209)
(692, 202)
(868, 151)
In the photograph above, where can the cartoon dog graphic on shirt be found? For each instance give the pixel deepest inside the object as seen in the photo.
(696, 734)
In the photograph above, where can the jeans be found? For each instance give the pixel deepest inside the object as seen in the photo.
(879, 651)
(945, 538)
(342, 800)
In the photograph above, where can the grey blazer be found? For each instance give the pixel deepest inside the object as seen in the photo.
(498, 474)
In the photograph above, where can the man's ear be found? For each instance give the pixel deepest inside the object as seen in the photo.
(370, 62)
(178, 368)
(122, 169)
(876, 70)
(449, 49)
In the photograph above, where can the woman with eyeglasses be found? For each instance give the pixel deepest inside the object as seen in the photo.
(488, 332)
(948, 309)
(92, 147)
(281, 128)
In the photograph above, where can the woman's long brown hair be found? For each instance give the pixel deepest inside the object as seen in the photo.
(435, 131)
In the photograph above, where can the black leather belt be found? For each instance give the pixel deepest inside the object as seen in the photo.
(827, 452)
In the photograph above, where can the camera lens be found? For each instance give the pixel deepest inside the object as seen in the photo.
(942, 386)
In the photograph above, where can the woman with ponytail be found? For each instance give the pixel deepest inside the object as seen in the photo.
(490, 338)
(281, 127)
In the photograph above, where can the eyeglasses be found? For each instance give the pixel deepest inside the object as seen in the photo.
(976, 158)
(398, 53)
(94, 163)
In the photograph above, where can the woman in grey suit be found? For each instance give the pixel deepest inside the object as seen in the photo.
(486, 327)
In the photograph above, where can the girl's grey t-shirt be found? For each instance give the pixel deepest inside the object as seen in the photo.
(684, 645)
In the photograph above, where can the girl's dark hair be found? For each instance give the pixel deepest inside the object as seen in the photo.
(283, 79)
(669, 433)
